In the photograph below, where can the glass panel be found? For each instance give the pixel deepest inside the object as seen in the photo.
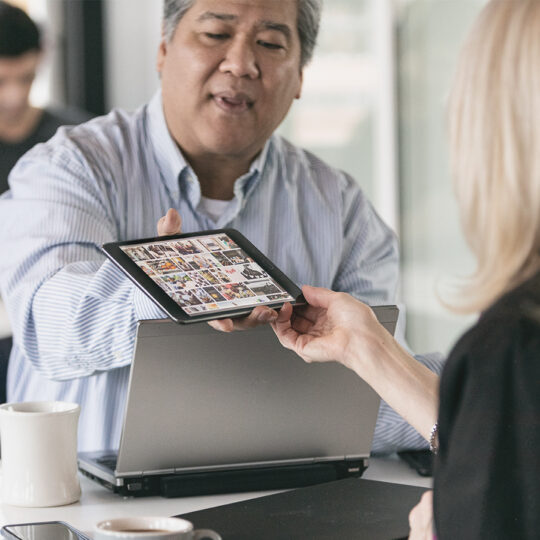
(433, 250)
(334, 117)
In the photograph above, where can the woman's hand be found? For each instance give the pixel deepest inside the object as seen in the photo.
(333, 326)
(336, 326)
(421, 518)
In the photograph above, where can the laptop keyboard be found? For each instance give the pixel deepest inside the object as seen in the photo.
(108, 461)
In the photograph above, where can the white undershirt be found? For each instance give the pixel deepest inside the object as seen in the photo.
(214, 208)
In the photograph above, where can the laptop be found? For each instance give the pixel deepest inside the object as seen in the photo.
(213, 412)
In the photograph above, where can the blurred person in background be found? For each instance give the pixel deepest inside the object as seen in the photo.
(22, 126)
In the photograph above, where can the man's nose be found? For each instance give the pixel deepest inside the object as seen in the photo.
(240, 59)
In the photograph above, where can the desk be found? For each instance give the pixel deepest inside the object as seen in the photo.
(97, 503)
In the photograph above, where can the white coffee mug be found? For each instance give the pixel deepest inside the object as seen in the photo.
(151, 528)
(39, 453)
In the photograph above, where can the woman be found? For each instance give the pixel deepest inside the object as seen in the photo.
(487, 475)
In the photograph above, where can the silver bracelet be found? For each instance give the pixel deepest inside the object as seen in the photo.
(433, 442)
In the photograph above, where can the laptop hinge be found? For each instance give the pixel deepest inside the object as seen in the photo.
(254, 479)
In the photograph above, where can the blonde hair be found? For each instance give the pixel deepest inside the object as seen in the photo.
(494, 120)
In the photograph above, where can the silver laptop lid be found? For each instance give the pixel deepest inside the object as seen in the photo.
(201, 399)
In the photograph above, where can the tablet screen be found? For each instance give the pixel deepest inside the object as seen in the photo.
(206, 273)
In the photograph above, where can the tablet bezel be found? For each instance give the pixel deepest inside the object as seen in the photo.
(137, 275)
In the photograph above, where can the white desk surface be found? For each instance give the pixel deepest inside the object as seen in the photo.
(5, 329)
(97, 504)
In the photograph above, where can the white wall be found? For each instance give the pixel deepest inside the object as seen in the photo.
(132, 29)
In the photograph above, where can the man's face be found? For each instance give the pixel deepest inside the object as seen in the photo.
(16, 77)
(230, 74)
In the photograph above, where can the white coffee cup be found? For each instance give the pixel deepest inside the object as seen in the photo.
(151, 528)
(39, 453)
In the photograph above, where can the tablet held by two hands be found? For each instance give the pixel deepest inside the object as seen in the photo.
(205, 275)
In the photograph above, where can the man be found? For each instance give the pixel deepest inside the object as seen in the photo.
(204, 146)
(21, 125)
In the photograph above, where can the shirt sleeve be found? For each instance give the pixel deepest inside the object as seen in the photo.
(72, 312)
(486, 481)
(369, 267)
(369, 271)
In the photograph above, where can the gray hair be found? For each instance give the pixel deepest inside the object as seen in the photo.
(309, 17)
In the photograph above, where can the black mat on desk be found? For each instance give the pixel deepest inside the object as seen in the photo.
(344, 509)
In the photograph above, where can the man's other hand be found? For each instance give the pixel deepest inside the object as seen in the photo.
(170, 223)
(260, 315)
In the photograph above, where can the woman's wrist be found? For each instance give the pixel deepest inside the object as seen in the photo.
(375, 357)
(408, 386)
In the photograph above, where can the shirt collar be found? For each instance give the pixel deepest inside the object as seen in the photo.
(246, 183)
(170, 160)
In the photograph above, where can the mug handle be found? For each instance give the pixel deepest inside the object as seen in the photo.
(202, 534)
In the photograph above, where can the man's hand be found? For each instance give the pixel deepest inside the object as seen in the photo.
(421, 518)
(170, 223)
(260, 315)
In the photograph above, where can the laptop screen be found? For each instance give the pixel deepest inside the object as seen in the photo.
(200, 399)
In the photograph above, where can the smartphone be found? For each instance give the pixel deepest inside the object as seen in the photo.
(46, 530)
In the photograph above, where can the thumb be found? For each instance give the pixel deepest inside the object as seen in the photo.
(318, 296)
(170, 223)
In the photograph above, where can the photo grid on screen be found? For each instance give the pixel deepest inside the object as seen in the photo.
(206, 273)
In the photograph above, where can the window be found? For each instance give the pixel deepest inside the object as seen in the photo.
(430, 33)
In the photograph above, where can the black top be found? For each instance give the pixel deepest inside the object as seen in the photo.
(49, 122)
(487, 475)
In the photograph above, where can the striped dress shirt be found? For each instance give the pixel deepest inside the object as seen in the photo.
(74, 314)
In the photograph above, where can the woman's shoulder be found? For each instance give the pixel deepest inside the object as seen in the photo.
(505, 332)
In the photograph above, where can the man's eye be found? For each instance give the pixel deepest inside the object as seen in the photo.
(268, 45)
(216, 36)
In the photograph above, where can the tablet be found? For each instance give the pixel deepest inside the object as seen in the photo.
(205, 275)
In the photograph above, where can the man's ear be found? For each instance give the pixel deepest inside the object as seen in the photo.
(161, 54)
(301, 80)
